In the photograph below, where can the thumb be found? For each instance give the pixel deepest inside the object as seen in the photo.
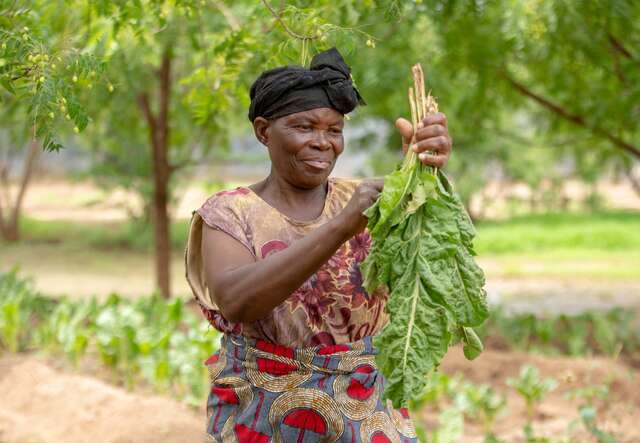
(405, 128)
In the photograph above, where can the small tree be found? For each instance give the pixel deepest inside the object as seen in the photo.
(39, 69)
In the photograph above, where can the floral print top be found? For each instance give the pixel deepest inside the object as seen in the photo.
(331, 307)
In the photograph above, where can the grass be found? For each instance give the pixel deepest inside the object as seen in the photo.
(577, 234)
(97, 258)
(78, 271)
(131, 235)
(565, 265)
(585, 234)
(596, 246)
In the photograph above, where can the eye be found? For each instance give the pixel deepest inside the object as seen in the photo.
(336, 130)
(303, 127)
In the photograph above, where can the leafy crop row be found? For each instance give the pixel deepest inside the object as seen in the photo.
(611, 333)
(162, 344)
(457, 401)
(146, 340)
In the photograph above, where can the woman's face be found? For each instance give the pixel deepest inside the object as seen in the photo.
(303, 146)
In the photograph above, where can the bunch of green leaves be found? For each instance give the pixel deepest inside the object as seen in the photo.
(422, 252)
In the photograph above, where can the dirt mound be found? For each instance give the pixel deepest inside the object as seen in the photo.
(42, 404)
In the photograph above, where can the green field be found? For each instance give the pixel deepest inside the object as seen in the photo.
(612, 231)
(602, 245)
(80, 259)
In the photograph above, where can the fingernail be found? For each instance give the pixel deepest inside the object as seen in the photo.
(422, 156)
(414, 148)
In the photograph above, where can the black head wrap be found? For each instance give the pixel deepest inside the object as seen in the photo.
(290, 89)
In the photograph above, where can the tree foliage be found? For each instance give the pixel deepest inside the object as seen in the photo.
(509, 75)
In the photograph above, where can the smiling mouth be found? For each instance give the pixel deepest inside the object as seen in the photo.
(318, 164)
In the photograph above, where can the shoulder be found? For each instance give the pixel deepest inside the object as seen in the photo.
(226, 205)
(226, 211)
(226, 198)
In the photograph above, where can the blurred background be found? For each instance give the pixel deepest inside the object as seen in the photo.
(119, 118)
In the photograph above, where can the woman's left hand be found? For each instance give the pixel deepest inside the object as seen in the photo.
(432, 143)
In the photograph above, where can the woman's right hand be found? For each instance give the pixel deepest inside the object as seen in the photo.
(363, 197)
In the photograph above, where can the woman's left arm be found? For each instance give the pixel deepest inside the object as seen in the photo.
(433, 142)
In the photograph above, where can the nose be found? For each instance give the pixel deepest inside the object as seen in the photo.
(321, 141)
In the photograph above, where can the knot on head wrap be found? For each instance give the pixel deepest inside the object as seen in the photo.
(290, 89)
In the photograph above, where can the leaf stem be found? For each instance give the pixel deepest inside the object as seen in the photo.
(412, 316)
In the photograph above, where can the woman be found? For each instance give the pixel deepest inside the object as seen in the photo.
(275, 267)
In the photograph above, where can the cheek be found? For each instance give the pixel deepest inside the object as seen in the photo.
(293, 144)
(339, 146)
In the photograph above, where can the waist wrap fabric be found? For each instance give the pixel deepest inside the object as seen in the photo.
(265, 392)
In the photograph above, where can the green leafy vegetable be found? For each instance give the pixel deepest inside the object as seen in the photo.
(422, 252)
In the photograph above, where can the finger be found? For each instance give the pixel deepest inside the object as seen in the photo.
(440, 144)
(437, 118)
(431, 131)
(377, 183)
(405, 128)
(438, 160)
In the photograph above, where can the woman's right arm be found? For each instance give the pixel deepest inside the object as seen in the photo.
(246, 290)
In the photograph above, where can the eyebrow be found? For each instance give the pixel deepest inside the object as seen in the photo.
(310, 119)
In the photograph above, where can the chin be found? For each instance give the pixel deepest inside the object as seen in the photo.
(310, 181)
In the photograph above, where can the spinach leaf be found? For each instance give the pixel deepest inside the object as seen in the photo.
(422, 251)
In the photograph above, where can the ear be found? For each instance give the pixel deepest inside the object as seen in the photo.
(261, 128)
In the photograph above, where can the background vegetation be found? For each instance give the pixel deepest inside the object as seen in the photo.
(542, 98)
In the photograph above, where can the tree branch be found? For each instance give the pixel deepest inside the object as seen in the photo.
(574, 118)
(618, 46)
(234, 23)
(145, 107)
(26, 72)
(284, 25)
(617, 49)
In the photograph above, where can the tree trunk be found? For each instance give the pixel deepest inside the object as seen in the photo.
(635, 182)
(161, 170)
(10, 227)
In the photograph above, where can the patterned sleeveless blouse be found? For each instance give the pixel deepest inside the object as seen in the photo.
(331, 307)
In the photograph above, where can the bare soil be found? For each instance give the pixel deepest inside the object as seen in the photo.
(44, 400)
(44, 404)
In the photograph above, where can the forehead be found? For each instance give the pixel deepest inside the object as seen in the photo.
(327, 116)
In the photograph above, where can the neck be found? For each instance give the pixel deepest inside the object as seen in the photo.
(299, 203)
